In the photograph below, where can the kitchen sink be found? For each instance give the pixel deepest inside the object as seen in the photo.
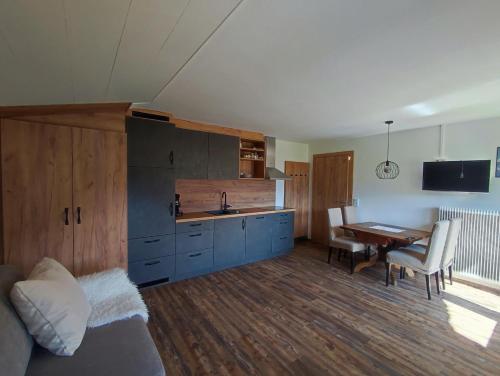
(223, 212)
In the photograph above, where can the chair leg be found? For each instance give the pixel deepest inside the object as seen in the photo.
(352, 262)
(450, 268)
(428, 284)
(437, 282)
(442, 279)
(387, 273)
(330, 250)
(401, 272)
(339, 254)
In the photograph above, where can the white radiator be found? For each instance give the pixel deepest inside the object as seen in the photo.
(478, 249)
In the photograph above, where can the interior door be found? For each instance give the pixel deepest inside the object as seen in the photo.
(37, 193)
(297, 195)
(100, 200)
(332, 187)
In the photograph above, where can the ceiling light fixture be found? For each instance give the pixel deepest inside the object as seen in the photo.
(387, 169)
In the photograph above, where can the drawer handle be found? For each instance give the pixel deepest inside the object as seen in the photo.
(195, 225)
(151, 241)
(195, 254)
(195, 235)
(283, 223)
(259, 217)
(284, 237)
(151, 263)
(66, 219)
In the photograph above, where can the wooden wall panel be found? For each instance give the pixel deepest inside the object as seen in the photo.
(201, 195)
(297, 195)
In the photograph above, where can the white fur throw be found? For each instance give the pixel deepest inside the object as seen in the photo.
(112, 297)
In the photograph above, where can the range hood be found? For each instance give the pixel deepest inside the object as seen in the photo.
(272, 173)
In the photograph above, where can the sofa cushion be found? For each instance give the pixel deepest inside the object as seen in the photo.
(15, 341)
(122, 348)
(53, 307)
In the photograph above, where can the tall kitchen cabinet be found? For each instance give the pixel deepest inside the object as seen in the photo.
(63, 196)
(151, 198)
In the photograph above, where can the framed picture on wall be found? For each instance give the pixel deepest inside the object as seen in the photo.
(497, 171)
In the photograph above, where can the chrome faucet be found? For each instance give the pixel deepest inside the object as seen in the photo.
(224, 206)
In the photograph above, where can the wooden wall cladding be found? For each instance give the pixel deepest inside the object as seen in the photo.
(103, 116)
(201, 195)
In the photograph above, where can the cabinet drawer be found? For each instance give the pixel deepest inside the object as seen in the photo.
(152, 270)
(151, 247)
(194, 241)
(282, 227)
(282, 243)
(192, 262)
(194, 226)
(283, 216)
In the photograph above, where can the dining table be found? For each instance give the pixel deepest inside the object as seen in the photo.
(382, 236)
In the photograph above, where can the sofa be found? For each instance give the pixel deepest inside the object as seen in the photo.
(121, 348)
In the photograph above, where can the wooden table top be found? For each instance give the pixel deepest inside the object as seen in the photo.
(408, 235)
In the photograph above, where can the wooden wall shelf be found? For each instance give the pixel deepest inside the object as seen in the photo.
(252, 159)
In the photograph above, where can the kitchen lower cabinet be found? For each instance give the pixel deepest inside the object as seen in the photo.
(161, 269)
(258, 235)
(229, 242)
(282, 240)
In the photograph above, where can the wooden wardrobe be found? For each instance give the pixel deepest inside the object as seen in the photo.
(64, 175)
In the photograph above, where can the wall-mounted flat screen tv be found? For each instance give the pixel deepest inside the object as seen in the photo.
(457, 176)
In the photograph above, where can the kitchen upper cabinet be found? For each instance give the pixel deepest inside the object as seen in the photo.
(100, 200)
(151, 193)
(258, 236)
(191, 154)
(151, 143)
(223, 156)
(37, 193)
(229, 241)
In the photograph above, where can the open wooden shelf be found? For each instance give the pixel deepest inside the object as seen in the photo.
(251, 167)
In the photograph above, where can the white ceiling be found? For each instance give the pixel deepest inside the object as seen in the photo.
(295, 69)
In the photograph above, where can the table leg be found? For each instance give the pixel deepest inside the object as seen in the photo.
(372, 260)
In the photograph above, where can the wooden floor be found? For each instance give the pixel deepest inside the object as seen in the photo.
(298, 315)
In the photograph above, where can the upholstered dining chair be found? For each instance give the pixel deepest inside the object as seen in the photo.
(427, 263)
(338, 239)
(448, 258)
(350, 214)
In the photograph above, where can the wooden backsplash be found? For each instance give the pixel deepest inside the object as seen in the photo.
(201, 195)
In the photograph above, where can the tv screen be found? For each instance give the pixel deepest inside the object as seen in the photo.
(458, 176)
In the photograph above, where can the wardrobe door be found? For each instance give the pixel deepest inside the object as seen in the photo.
(100, 200)
(37, 193)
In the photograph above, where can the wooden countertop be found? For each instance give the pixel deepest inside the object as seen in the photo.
(203, 216)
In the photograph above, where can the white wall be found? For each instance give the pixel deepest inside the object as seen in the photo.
(402, 201)
(288, 151)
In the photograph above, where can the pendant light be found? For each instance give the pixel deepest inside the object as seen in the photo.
(387, 169)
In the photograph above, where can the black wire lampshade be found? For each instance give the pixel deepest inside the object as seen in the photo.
(387, 169)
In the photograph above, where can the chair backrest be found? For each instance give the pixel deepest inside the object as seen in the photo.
(435, 248)
(350, 215)
(451, 242)
(335, 220)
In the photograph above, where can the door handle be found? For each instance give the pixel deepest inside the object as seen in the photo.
(78, 215)
(171, 209)
(66, 214)
(243, 224)
(171, 157)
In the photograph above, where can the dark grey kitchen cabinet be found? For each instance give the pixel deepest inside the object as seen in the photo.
(229, 242)
(191, 154)
(223, 156)
(151, 193)
(150, 143)
(259, 231)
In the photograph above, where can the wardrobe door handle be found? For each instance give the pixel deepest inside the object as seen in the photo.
(78, 215)
(66, 215)
(171, 209)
